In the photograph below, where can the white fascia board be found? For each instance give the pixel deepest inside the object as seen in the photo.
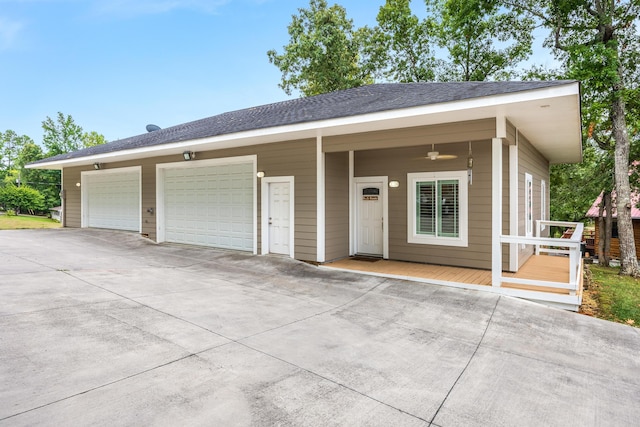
(486, 107)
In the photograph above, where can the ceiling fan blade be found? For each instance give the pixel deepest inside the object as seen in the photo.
(447, 157)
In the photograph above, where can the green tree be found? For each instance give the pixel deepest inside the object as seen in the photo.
(598, 42)
(47, 182)
(324, 53)
(483, 40)
(23, 198)
(93, 138)
(401, 45)
(62, 135)
(10, 146)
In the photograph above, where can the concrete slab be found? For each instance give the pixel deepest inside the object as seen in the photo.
(231, 385)
(235, 311)
(116, 330)
(460, 314)
(564, 338)
(52, 354)
(31, 292)
(410, 369)
(501, 388)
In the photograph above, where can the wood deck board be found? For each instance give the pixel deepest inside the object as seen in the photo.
(538, 267)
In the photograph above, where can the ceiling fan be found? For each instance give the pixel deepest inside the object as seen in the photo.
(435, 155)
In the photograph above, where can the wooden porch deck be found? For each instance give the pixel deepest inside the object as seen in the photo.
(538, 267)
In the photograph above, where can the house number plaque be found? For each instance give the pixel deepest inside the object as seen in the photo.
(370, 193)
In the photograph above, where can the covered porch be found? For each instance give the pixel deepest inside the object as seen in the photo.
(552, 276)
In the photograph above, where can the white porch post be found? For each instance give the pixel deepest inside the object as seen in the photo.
(352, 209)
(513, 205)
(320, 201)
(496, 211)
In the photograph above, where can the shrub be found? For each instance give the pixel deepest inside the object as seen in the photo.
(10, 212)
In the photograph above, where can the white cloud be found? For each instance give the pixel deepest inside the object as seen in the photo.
(131, 8)
(9, 31)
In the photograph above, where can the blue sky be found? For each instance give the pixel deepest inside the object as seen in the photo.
(117, 65)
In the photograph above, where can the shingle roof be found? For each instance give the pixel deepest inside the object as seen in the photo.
(346, 103)
(593, 211)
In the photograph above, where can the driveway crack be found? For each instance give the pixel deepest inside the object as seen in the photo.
(431, 422)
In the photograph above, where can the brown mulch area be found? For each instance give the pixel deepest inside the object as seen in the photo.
(590, 293)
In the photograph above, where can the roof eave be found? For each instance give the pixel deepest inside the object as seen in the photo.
(467, 109)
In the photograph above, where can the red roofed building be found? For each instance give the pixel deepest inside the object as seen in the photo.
(635, 216)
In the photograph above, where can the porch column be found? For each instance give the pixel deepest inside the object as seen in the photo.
(513, 204)
(496, 211)
(352, 250)
(320, 201)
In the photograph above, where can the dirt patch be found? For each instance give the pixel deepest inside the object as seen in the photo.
(590, 295)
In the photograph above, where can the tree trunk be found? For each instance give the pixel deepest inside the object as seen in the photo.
(602, 258)
(608, 226)
(604, 229)
(628, 260)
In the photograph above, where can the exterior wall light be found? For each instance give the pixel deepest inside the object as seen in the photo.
(394, 184)
(260, 174)
(77, 184)
(189, 155)
(97, 166)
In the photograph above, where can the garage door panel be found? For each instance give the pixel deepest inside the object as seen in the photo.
(113, 200)
(210, 205)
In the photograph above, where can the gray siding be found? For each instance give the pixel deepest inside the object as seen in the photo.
(417, 136)
(530, 161)
(336, 205)
(397, 162)
(292, 158)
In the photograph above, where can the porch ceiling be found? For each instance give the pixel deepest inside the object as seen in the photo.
(548, 117)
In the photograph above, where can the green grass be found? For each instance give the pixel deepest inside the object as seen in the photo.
(22, 222)
(618, 297)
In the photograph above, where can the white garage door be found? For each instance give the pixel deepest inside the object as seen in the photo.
(210, 206)
(112, 200)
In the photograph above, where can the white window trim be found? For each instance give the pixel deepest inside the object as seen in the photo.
(412, 237)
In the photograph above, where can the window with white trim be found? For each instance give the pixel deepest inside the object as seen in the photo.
(438, 208)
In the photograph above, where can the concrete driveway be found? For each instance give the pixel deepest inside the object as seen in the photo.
(107, 328)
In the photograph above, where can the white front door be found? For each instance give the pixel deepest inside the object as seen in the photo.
(279, 218)
(369, 218)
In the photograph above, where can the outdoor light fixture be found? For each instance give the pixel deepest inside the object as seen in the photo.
(260, 174)
(97, 166)
(189, 155)
(394, 184)
(77, 184)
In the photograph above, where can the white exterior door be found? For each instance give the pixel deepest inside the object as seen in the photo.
(210, 205)
(279, 218)
(111, 199)
(369, 218)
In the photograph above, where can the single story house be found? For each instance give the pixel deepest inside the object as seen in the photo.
(593, 212)
(421, 172)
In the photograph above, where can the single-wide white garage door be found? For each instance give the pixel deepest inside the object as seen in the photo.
(111, 199)
(210, 206)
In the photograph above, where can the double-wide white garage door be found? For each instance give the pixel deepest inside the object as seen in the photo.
(111, 199)
(209, 205)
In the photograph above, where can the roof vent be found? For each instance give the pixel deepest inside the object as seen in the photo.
(152, 128)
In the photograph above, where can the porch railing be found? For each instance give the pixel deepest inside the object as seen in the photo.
(568, 246)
